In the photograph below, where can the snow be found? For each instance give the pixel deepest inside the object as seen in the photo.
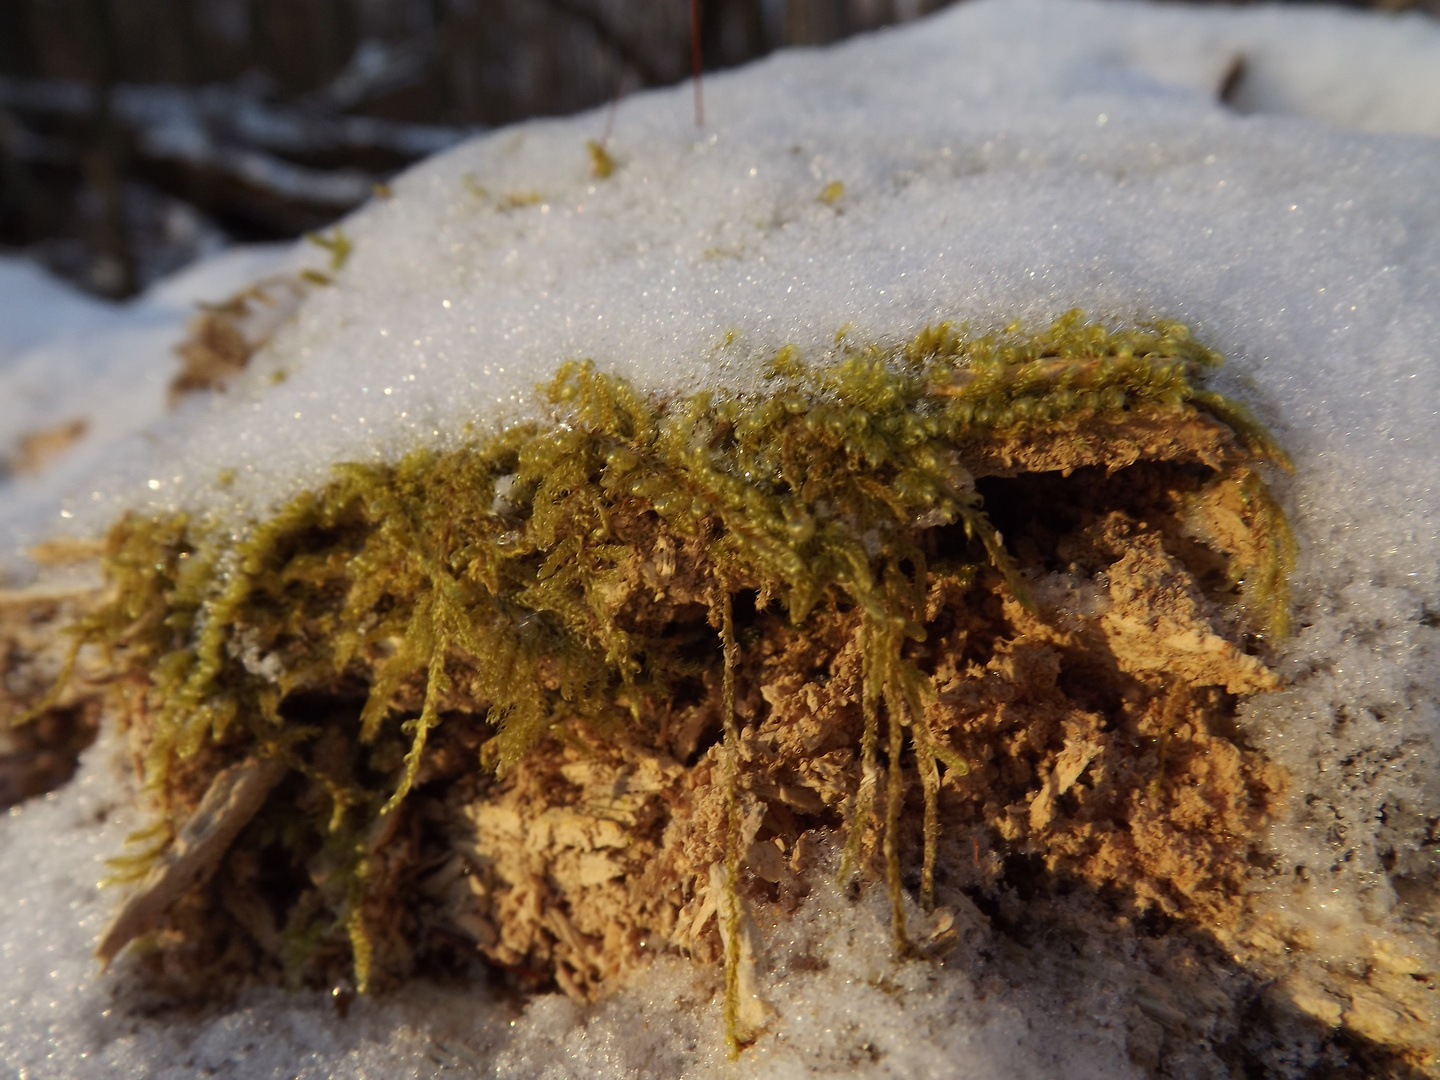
(65, 356)
(1001, 159)
(33, 305)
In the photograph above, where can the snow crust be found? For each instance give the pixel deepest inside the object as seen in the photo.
(65, 356)
(1000, 160)
(33, 304)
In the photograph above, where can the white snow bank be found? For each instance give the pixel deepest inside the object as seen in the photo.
(999, 160)
(66, 357)
(1375, 73)
(35, 306)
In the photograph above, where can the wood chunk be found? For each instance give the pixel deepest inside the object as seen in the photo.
(233, 798)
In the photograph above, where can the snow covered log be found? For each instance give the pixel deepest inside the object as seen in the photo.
(969, 169)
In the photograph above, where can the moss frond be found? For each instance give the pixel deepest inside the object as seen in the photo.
(601, 163)
(336, 243)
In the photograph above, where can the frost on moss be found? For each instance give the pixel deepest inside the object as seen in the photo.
(416, 636)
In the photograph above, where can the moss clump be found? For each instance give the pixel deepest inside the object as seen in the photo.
(448, 615)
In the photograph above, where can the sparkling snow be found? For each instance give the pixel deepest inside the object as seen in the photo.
(998, 160)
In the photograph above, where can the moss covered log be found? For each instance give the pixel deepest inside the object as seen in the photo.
(414, 643)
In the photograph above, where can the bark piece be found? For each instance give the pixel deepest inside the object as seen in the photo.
(233, 798)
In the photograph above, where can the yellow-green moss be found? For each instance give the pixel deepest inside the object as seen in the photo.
(601, 163)
(490, 567)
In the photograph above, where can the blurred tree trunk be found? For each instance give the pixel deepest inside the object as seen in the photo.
(482, 61)
(102, 151)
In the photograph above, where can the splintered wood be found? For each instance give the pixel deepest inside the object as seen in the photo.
(194, 855)
(1094, 726)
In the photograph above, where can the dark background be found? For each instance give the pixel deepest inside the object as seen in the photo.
(138, 134)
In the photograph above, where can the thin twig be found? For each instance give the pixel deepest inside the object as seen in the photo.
(610, 112)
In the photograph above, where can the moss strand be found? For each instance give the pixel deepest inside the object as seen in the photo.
(733, 826)
(894, 802)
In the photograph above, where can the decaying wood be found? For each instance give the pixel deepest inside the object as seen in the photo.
(37, 449)
(231, 801)
(223, 337)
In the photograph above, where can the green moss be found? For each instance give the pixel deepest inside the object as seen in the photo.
(336, 243)
(486, 576)
(602, 165)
